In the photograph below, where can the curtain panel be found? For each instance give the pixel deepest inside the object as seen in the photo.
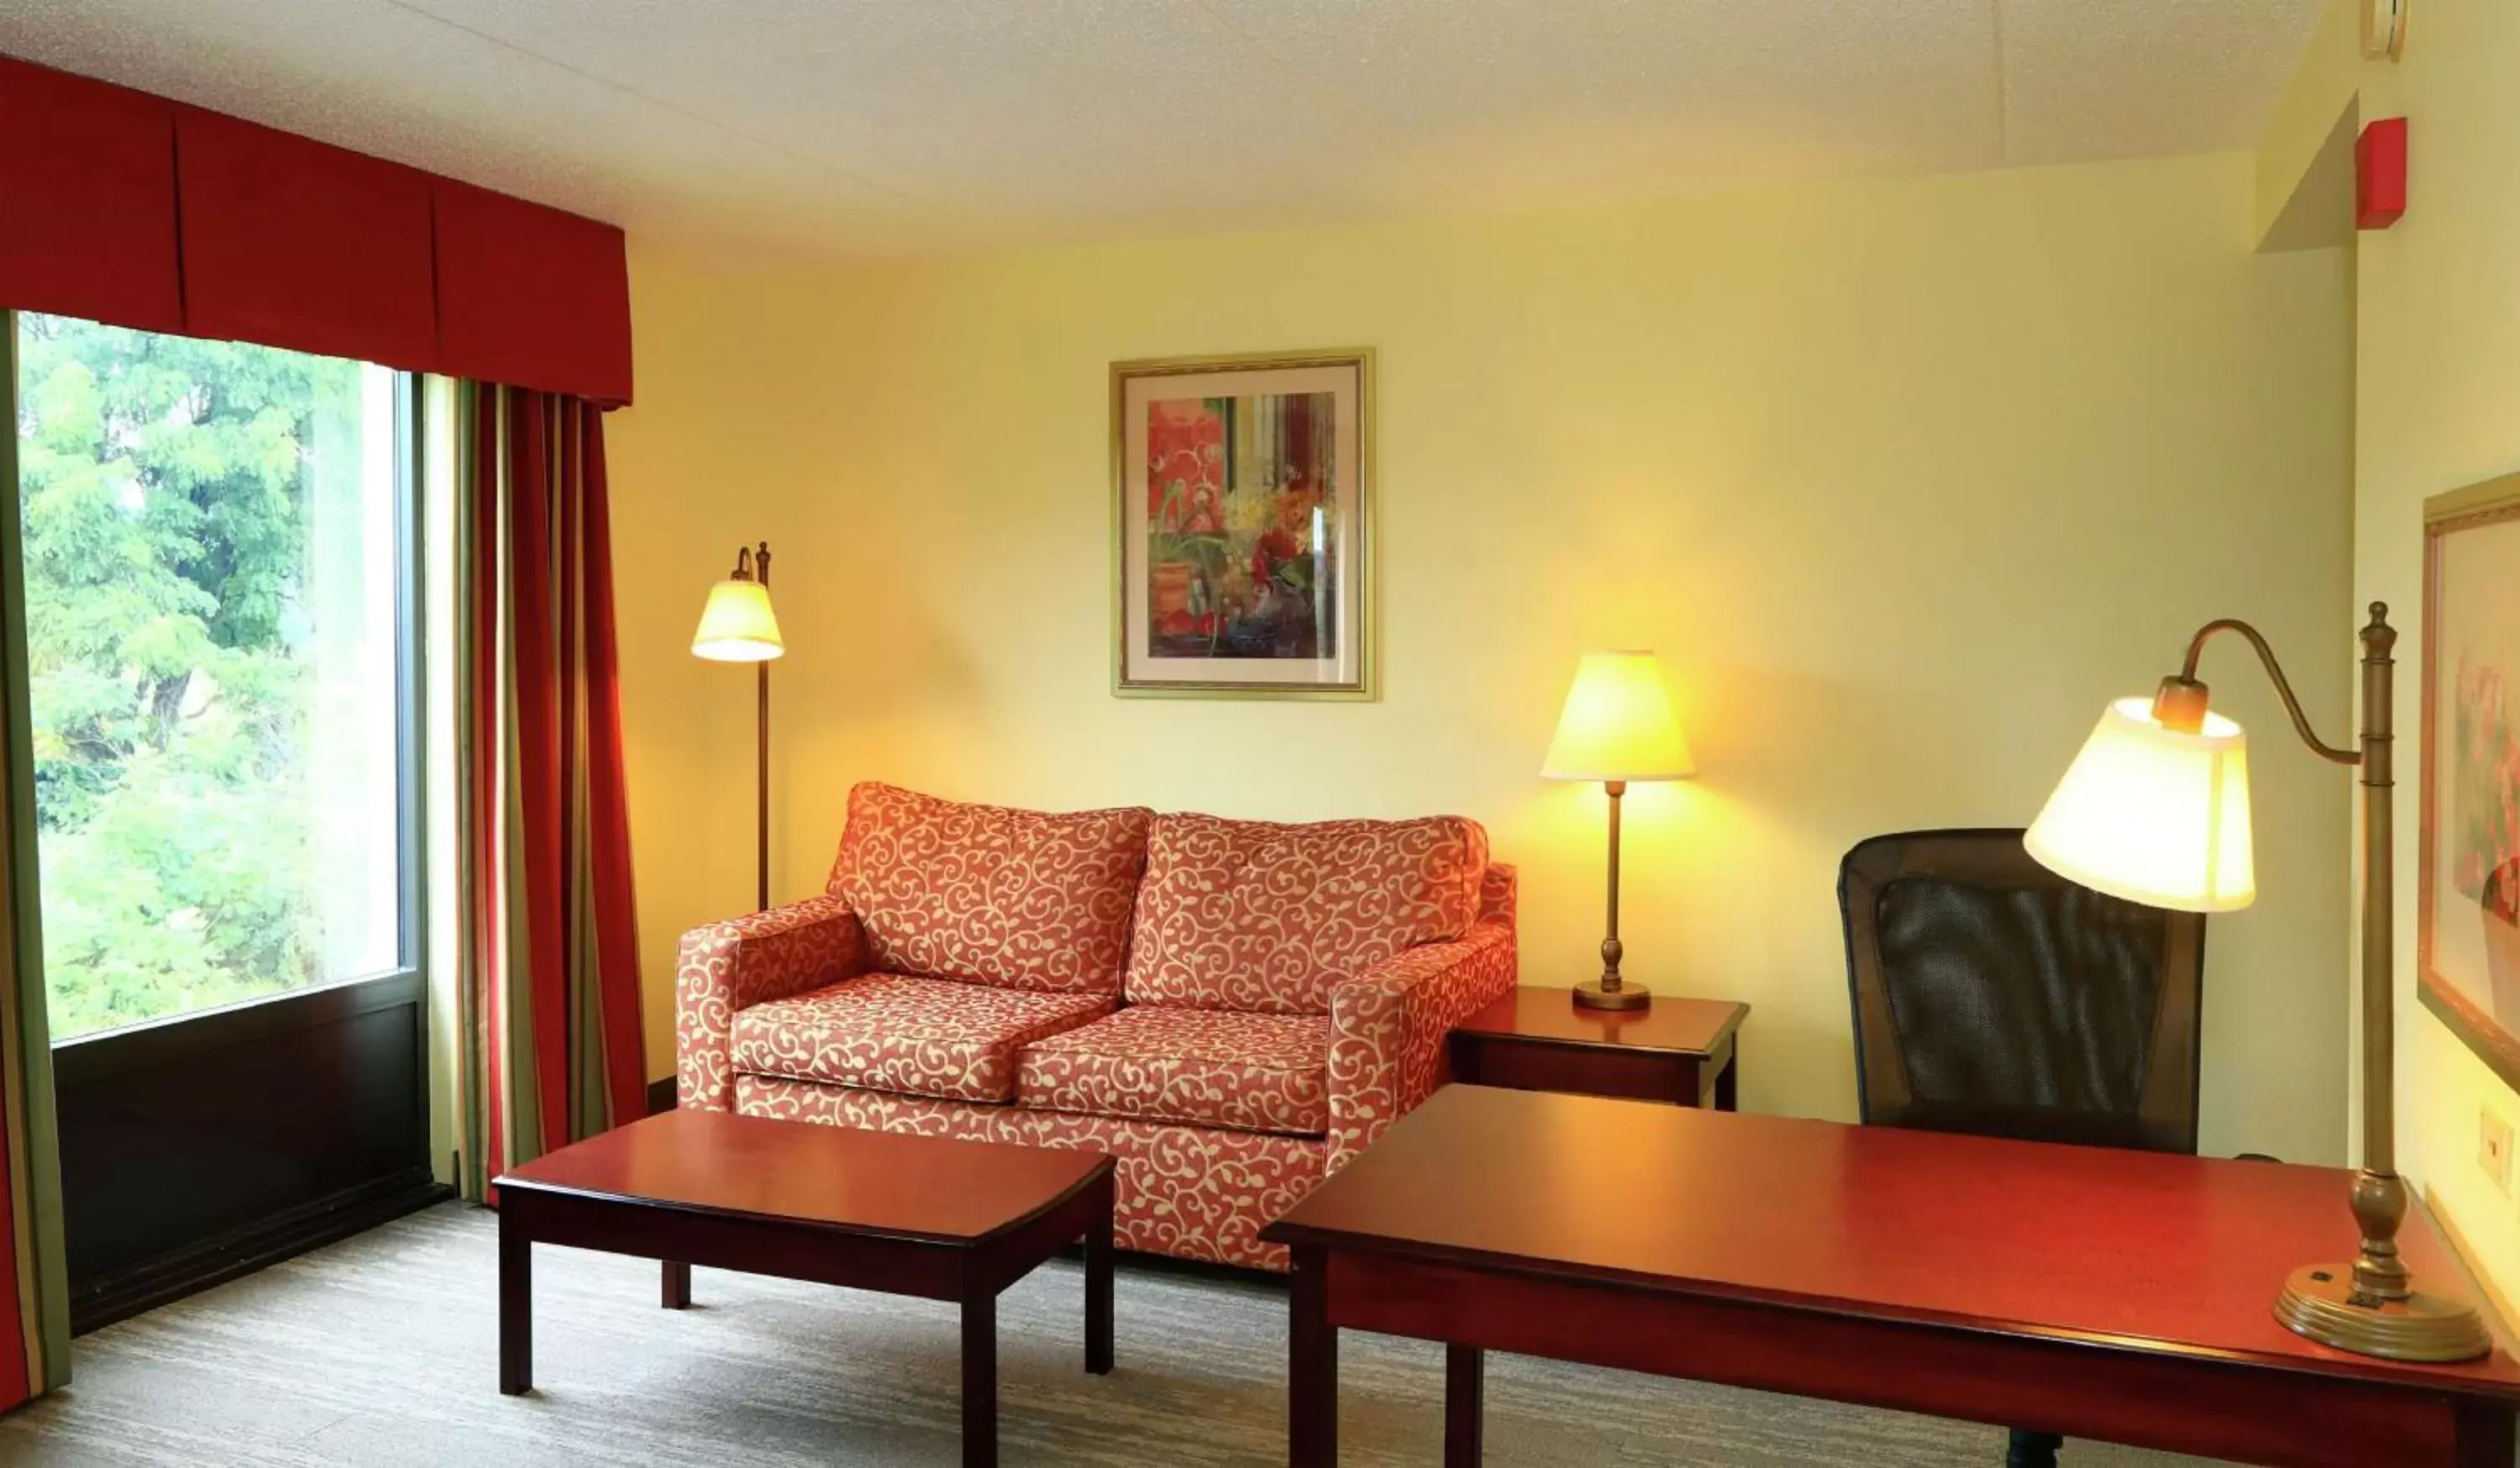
(34, 1289)
(548, 972)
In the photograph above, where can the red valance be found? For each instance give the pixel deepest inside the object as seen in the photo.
(88, 175)
(530, 297)
(128, 208)
(296, 244)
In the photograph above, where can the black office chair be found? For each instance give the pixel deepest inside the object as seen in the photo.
(1996, 998)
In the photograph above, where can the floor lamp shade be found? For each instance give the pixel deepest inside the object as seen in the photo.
(2154, 814)
(738, 625)
(1618, 724)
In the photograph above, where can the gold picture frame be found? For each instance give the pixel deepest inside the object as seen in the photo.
(2467, 843)
(1216, 590)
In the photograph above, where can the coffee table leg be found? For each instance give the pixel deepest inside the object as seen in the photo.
(1098, 1293)
(1312, 1367)
(515, 1304)
(979, 1381)
(1465, 1397)
(678, 1285)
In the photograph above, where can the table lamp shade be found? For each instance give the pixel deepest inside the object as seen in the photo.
(1618, 724)
(738, 625)
(2153, 815)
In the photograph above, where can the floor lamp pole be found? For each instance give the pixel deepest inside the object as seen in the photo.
(761, 765)
(761, 757)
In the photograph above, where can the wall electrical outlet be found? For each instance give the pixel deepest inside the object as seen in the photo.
(2493, 1147)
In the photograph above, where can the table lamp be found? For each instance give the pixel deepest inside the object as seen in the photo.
(2155, 809)
(738, 626)
(1617, 727)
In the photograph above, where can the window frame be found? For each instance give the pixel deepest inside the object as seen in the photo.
(96, 1054)
(365, 1157)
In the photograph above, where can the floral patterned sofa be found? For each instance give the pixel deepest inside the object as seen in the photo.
(1232, 1008)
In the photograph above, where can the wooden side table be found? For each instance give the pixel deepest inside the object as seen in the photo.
(1680, 1050)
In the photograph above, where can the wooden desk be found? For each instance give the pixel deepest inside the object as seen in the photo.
(2102, 1294)
(1680, 1050)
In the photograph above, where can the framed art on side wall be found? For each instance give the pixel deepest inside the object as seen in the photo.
(2467, 906)
(1242, 514)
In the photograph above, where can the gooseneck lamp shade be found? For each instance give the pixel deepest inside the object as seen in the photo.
(1618, 724)
(738, 625)
(2153, 815)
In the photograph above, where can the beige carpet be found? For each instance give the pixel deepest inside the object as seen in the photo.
(381, 1352)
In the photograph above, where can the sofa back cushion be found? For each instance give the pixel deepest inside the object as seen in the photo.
(1256, 915)
(989, 895)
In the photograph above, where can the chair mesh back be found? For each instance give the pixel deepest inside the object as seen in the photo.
(1993, 996)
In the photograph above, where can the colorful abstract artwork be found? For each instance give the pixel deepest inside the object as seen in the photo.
(1241, 527)
(2469, 909)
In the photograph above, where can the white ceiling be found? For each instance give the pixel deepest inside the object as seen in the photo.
(882, 126)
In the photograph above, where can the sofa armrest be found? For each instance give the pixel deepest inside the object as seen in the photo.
(742, 961)
(1389, 1027)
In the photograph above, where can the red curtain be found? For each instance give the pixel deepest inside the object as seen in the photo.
(554, 927)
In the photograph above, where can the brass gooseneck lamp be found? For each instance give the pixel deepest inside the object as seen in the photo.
(2155, 809)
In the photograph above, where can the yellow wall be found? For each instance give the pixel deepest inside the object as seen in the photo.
(1903, 479)
(2439, 376)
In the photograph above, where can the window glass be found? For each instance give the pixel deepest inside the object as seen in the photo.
(212, 572)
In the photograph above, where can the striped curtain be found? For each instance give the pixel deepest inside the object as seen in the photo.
(548, 972)
(34, 1291)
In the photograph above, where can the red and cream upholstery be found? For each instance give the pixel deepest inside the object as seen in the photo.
(1207, 1067)
(1232, 1008)
(1250, 914)
(919, 1037)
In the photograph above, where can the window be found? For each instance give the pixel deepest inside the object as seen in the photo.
(214, 561)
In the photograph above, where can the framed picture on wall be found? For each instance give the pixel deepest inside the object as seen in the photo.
(2468, 913)
(1242, 514)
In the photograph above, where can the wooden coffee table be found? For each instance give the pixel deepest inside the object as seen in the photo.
(922, 1216)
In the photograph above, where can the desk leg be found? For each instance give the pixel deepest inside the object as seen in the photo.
(979, 1379)
(515, 1304)
(678, 1285)
(1312, 1367)
(1464, 1400)
(1724, 1079)
(2485, 1436)
(1097, 1290)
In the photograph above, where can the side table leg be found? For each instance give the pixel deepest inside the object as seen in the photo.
(1097, 1290)
(678, 1285)
(1464, 1402)
(515, 1304)
(1727, 1079)
(1312, 1367)
(979, 1380)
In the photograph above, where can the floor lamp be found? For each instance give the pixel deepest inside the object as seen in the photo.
(738, 626)
(2155, 809)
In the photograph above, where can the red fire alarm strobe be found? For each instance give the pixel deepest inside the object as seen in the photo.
(2380, 174)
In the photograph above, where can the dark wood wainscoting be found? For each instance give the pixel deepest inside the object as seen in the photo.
(205, 1147)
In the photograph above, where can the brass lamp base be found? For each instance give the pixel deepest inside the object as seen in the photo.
(2320, 1302)
(1593, 994)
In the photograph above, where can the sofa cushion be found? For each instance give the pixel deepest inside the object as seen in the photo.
(1207, 1067)
(1260, 916)
(1020, 898)
(901, 1032)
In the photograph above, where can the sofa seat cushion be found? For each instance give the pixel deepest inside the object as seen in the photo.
(1261, 916)
(1020, 898)
(900, 1033)
(1206, 1067)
